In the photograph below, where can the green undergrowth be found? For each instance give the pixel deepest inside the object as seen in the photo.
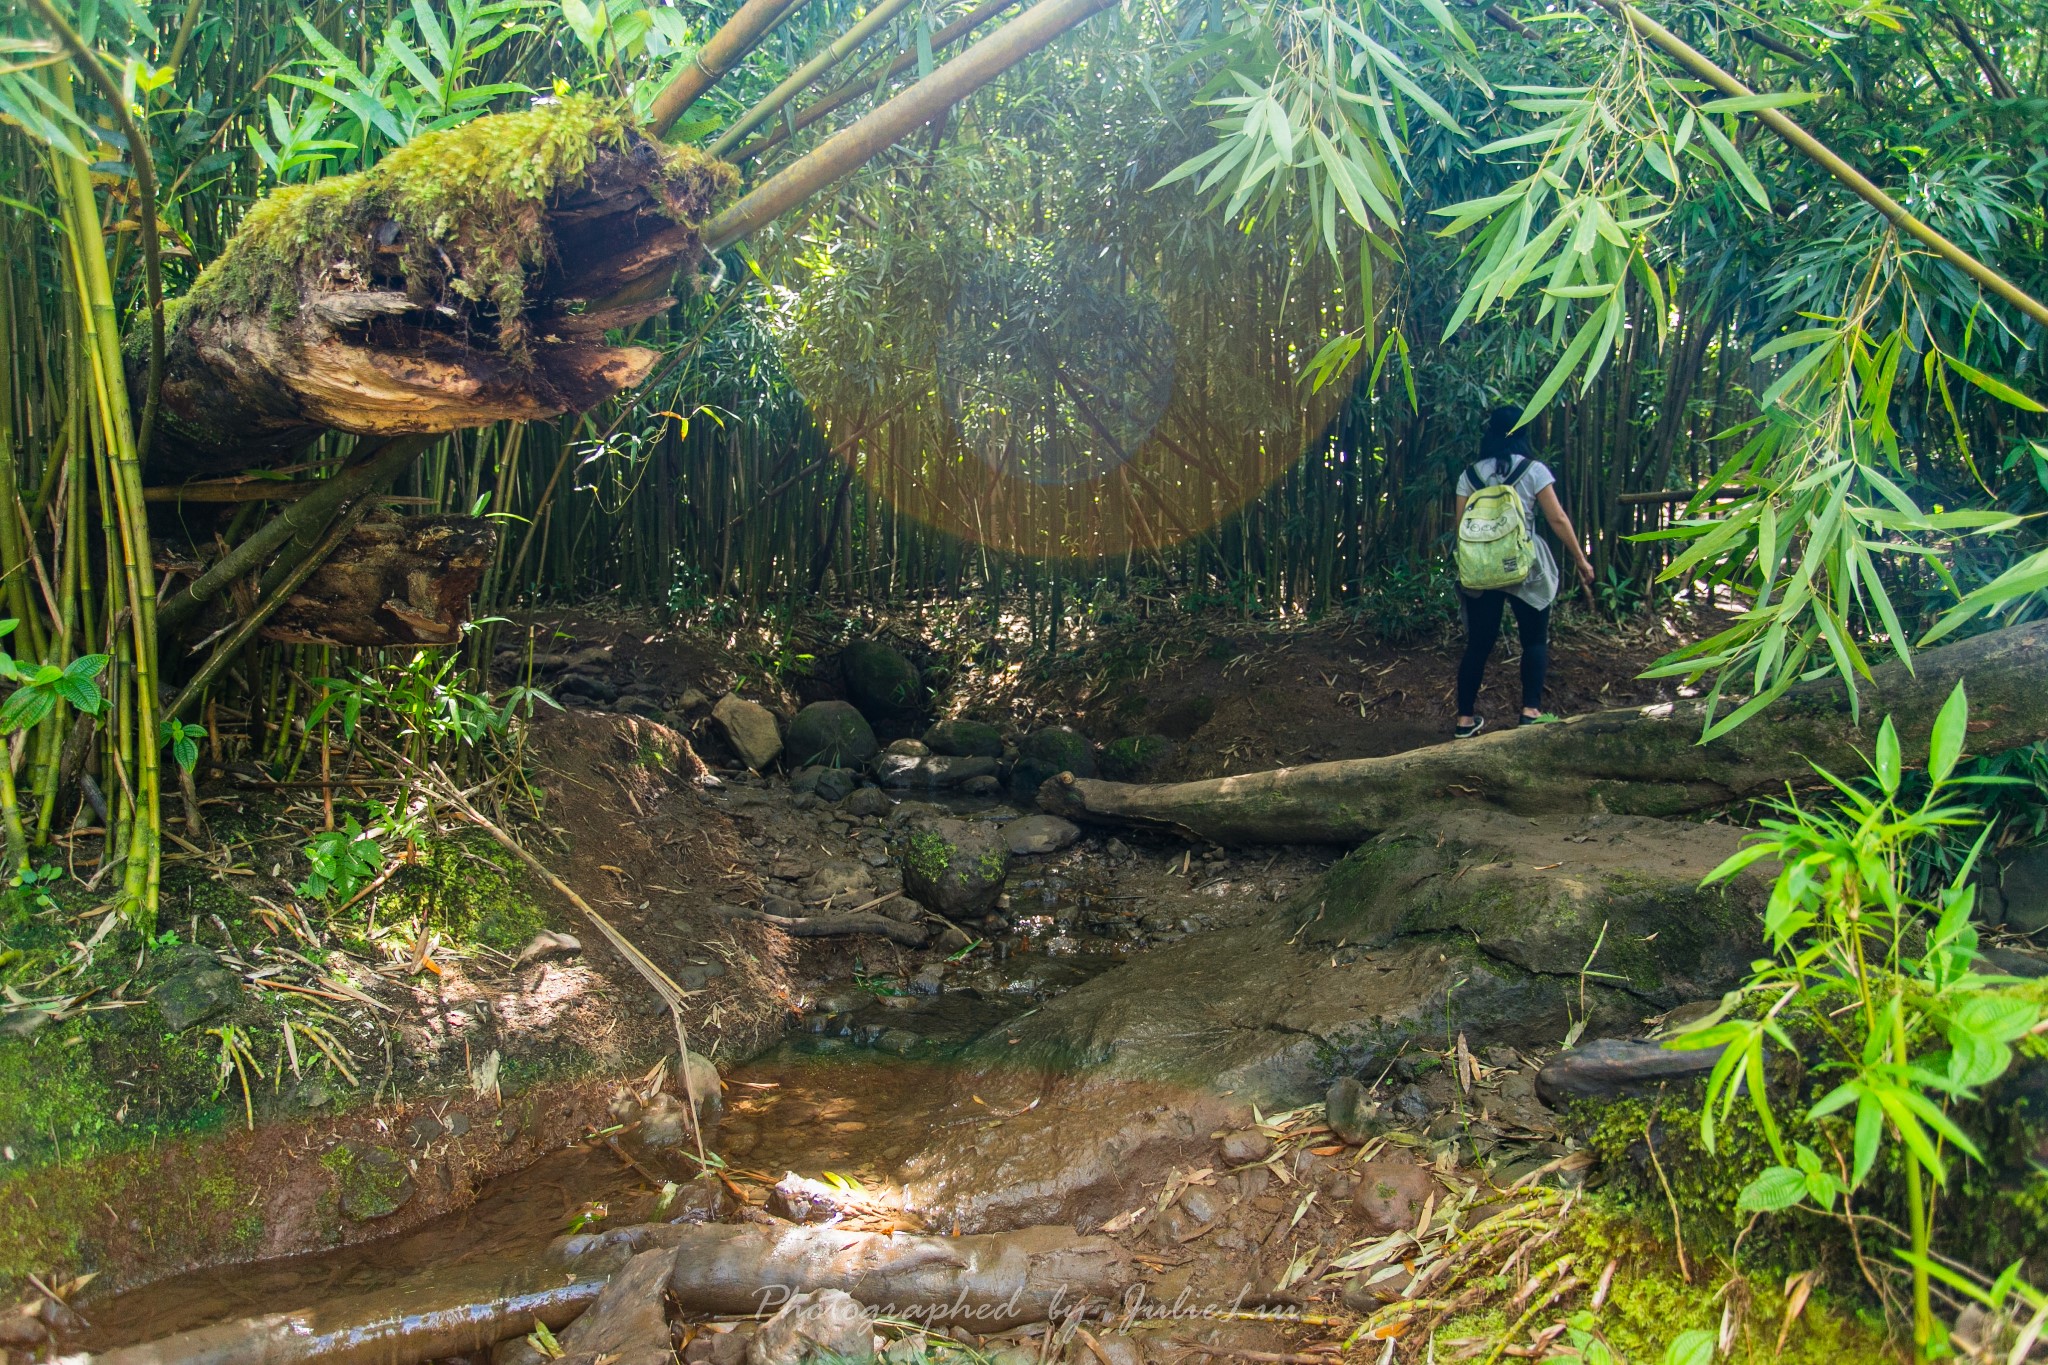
(1650, 1302)
(472, 194)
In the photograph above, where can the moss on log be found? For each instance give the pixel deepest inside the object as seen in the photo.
(466, 278)
(1646, 761)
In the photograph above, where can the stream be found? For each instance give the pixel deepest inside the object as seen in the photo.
(863, 1083)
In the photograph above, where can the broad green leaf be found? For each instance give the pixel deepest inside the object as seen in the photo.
(1732, 159)
(1779, 1187)
(1945, 745)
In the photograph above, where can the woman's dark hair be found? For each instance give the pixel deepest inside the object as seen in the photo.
(1502, 442)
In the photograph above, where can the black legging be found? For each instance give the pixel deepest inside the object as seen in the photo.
(1482, 629)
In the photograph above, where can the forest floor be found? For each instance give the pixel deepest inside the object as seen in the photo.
(141, 1151)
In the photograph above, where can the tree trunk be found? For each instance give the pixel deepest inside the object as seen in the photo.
(393, 581)
(465, 279)
(1637, 762)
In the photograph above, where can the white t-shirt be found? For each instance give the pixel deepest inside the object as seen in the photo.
(1539, 589)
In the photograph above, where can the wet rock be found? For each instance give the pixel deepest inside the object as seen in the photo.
(1412, 1104)
(549, 943)
(827, 784)
(841, 883)
(965, 739)
(907, 748)
(880, 681)
(1610, 1068)
(1203, 1204)
(21, 1329)
(1390, 1194)
(831, 733)
(1246, 1145)
(1048, 753)
(199, 987)
(899, 1042)
(2023, 882)
(692, 700)
(829, 1324)
(954, 867)
(934, 773)
(868, 802)
(370, 1182)
(1136, 758)
(1039, 834)
(1348, 1112)
(981, 786)
(749, 728)
(1117, 850)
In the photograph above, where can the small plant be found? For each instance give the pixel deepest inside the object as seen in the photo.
(1619, 594)
(343, 861)
(38, 691)
(183, 742)
(1905, 1028)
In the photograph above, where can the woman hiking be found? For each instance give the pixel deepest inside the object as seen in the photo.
(1502, 562)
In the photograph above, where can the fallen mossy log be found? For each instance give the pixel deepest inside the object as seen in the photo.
(391, 581)
(1645, 761)
(985, 1283)
(467, 278)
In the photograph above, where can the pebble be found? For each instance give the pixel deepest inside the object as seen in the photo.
(1245, 1146)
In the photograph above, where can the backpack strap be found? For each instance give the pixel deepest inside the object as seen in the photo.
(1472, 473)
(1515, 475)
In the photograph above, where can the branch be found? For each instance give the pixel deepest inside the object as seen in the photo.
(1812, 147)
(854, 145)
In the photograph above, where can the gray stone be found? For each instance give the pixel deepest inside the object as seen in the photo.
(832, 733)
(749, 728)
(965, 739)
(954, 867)
(880, 681)
(1610, 1068)
(1246, 1145)
(628, 1325)
(909, 748)
(981, 786)
(868, 802)
(371, 1182)
(1348, 1112)
(198, 987)
(901, 1042)
(1039, 834)
(2023, 884)
(825, 1324)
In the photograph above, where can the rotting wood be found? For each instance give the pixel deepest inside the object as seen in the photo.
(467, 278)
(391, 581)
(986, 1282)
(1643, 761)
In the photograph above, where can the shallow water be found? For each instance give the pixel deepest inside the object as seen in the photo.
(828, 1099)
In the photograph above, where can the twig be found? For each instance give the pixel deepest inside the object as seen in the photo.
(1677, 1233)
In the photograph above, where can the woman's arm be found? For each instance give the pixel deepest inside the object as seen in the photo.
(1458, 509)
(1561, 522)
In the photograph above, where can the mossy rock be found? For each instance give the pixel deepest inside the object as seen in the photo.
(831, 734)
(1048, 753)
(954, 867)
(369, 1182)
(198, 987)
(881, 682)
(965, 739)
(1136, 758)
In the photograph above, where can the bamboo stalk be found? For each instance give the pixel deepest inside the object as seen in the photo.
(859, 142)
(798, 80)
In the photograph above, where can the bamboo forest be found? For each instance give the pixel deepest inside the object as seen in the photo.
(1023, 682)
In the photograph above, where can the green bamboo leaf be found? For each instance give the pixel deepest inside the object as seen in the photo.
(1732, 159)
(1997, 388)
